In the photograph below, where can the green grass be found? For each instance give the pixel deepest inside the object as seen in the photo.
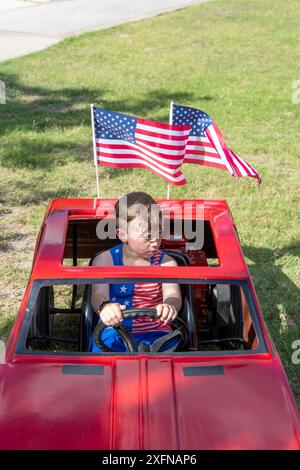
(236, 60)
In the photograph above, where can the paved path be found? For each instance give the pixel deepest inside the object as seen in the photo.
(28, 26)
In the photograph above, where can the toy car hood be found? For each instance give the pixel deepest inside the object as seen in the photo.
(147, 403)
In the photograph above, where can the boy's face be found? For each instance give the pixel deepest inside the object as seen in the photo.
(142, 239)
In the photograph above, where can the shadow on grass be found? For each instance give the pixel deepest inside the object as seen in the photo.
(274, 288)
(7, 242)
(23, 193)
(42, 152)
(31, 112)
(279, 299)
(6, 327)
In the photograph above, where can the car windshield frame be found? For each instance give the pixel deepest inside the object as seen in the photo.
(21, 348)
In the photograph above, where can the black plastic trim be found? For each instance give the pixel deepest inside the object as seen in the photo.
(203, 371)
(82, 370)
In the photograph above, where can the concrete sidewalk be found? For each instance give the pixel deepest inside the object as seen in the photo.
(28, 26)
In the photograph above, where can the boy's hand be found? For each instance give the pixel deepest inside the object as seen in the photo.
(111, 314)
(166, 312)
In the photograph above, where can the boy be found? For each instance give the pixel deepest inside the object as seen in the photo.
(138, 220)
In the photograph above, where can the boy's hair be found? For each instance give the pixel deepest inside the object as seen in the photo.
(137, 204)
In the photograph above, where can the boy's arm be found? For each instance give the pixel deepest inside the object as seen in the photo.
(171, 295)
(100, 292)
(111, 314)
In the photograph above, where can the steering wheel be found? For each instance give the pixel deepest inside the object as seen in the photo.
(180, 332)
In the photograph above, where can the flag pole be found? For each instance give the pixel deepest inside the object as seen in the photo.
(170, 122)
(95, 151)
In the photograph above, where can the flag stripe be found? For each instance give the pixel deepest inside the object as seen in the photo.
(243, 162)
(162, 148)
(159, 140)
(249, 170)
(125, 150)
(247, 167)
(200, 141)
(204, 159)
(162, 128)
(212, 134)
(241, 170)
(201, 151)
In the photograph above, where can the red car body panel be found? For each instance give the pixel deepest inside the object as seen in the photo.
(147, 403)
(143, 401)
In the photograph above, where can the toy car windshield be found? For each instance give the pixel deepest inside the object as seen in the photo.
(215, 316)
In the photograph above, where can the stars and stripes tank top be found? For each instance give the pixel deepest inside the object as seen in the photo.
(139, 295)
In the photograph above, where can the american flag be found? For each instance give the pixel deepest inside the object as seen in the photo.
(129, 142)
(206, 145)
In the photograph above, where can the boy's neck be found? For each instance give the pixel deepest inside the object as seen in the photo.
(131, 257)
(129, 254)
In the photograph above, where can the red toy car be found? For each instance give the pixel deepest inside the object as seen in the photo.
(224, 388)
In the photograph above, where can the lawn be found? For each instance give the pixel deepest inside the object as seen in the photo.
(237, 60)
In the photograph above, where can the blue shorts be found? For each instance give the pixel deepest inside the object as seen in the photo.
(111, 338)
